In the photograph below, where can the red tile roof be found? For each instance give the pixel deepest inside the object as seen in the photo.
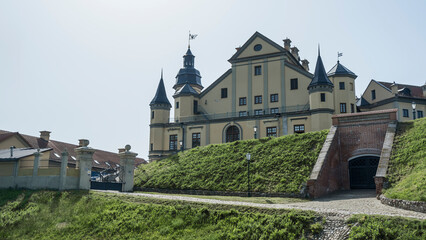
(58, 147)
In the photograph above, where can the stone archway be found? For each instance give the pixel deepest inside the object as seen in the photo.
(362, 171)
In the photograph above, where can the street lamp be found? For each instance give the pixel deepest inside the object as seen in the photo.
(255, 132)
(248, 157)
(413, 105)
(181, 145)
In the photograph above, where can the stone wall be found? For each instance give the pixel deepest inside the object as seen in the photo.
(404, 204)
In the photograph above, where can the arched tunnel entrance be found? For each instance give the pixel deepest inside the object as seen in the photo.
(362, 171)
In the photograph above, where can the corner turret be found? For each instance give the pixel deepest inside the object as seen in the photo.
(160, 105)
(321, 99)
(344, 93)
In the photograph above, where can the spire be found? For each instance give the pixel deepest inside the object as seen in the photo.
(160, 98)
(188, 74)
(320, 76)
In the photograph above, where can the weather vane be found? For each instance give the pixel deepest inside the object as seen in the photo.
(191, 37)
(339, 54)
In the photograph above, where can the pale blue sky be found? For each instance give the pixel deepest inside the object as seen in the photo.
(88, 69)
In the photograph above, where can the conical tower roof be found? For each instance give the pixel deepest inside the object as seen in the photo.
(340, 70)
(160, 97)
(186, 90)
(320, 76)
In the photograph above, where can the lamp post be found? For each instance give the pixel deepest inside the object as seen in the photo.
(413, 105)
(181, 145)
(255, 132)
(248, 157)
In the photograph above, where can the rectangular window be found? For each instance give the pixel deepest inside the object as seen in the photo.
(373, 94)
(274, 110)
(173, 142)
(196, 139)
(243, 101)
(258, 112)
(322, 97)
(419, 114)
(342, 85)
(293, 84)
(274, 97)
(352, 108)
(405, 113)
(152, 147)
(152, 115)
(195, 106)
(257, 99)
(343, 108)
(177, 105)
(351, 85)
(224, 93)
(299, 128)
(242, 114)
(257, 70)
(271, 131)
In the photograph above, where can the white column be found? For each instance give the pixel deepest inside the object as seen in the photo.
(127, 160)
(84, 161)
(63, 173)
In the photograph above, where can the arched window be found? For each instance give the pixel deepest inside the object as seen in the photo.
(232, 134)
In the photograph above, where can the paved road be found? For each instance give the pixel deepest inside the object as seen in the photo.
(343, 203)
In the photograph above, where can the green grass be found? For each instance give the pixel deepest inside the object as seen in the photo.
(264, 200)
(407, 169)
(278, 165)
(92, 215)
(381, 227)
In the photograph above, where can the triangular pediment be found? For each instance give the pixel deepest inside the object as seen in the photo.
(257, 45)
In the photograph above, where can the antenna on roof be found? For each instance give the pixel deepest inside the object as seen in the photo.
(319, 54)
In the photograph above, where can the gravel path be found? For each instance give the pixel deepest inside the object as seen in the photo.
(342, 204)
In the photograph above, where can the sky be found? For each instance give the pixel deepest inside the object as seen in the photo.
(89, 69)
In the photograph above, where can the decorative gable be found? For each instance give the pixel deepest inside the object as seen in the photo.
(257, 45)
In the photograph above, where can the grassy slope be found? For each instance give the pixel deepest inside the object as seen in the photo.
(278, 165)
(83, 215)
(408, 162)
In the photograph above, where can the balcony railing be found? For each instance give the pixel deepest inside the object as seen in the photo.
(201, 116)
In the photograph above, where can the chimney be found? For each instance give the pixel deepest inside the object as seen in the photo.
(45, 135)
(394, 89)
(287, 44)
(305, 64)
(424, 90)
(120, 150)
(295, 52)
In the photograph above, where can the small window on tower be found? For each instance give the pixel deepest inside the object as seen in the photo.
(373, 94)
(322, 97)
(342, 85)
(177, 105)
(152, 115)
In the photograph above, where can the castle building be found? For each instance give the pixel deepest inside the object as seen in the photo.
(408, 99)
(268, 91)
